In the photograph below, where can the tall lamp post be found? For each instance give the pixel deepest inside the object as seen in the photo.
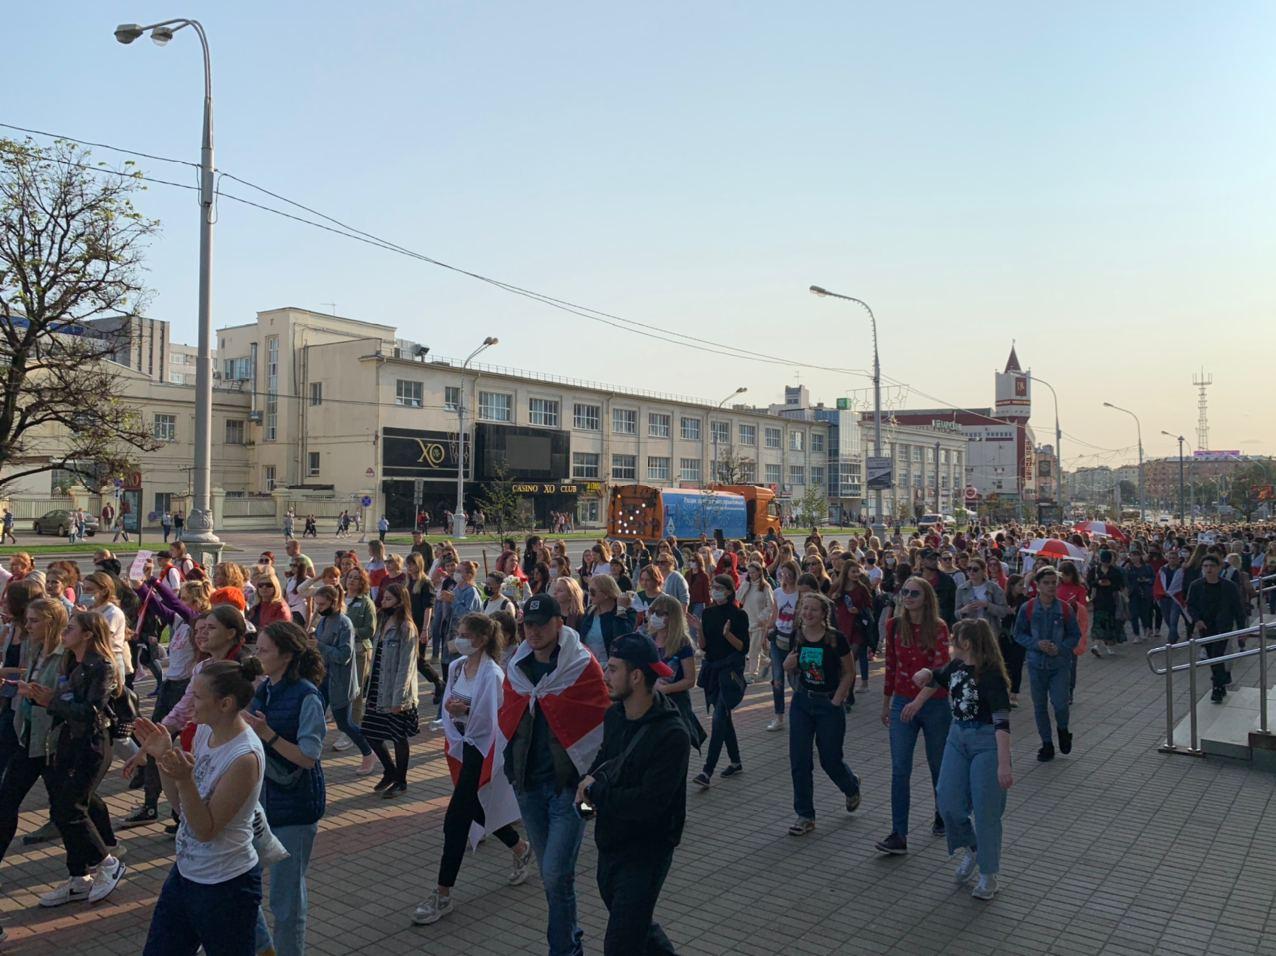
(879, 521)
(1058, 435)
(458, 516)
(1182, 481)
(198, 536)
(716, 477)
(1139, 429)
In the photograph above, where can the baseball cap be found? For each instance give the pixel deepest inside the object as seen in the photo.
(639, 650)
(540, 609)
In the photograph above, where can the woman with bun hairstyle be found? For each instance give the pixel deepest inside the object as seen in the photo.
(286, 713)
(213, 893)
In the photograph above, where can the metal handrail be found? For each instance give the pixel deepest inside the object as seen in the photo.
(1258, 630)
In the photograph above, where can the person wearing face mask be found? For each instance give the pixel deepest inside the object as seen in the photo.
(667, 626)
(756, 597)
(1107, 587)
(471, 707)
(334, 639)
(1214, 606)
(1048, 629)
(724, 638)
(605, 619)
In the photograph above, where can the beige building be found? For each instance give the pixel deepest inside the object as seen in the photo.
(348, 409)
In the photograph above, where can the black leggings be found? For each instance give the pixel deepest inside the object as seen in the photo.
(462, 810)
(1013, 653)
(136, 650)
(396, 770)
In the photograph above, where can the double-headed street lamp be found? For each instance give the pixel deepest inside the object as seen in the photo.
(879, 521)
(1182, 495)
(458, 516)
(199, 535)
(739, 391)
(1139, 429)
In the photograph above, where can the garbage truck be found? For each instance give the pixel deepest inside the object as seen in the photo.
(647, 513)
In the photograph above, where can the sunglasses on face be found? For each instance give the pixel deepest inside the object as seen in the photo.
(911, 592)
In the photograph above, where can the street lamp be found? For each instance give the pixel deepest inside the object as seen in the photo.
(1182, 496)
(1139, 428)
(199, 535)
(879, 525)
(739, 391)
(458, 516)
(1058, 436)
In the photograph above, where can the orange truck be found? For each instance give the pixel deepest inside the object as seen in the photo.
(647, 513)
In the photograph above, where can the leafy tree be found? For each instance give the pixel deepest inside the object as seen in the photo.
(1251, 487)
(70, 251)
(732, 467)
(811, 507)
(501, 506)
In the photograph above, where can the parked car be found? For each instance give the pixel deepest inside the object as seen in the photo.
(59, 522)
(927, 520)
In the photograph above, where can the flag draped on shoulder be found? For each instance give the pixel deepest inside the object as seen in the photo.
(480, 730)
(573, 698)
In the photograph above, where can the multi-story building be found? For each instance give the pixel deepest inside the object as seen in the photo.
(343, 406)
(181, 364)
(140, 343)
(928, 466)
(1002, 455)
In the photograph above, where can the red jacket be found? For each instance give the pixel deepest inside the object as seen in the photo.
(903, 662)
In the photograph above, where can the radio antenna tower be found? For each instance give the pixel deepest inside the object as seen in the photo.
(1202, 381)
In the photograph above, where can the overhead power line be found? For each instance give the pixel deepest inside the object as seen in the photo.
(338, 227)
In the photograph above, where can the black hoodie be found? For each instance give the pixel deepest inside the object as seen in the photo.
(643, 806)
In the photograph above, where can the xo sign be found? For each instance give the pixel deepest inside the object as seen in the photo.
(432, 453)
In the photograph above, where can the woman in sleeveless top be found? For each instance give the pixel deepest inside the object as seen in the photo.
(212, 894)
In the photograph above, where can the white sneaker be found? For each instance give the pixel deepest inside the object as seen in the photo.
(435, 727)
(1108, 648)
(518, 875)
(966, 867)
(432, 910)
(342, 743)
(986, 888)
(368, 765)
(74, 890)
(109, 873)
(777, 723)
(269, 850)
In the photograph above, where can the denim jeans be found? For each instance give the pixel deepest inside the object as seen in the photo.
(1051, 683)
(555, 829)
(288, 902)
(217, 916)
(778, 678)
(932, 720)
(968, 782)
(861, 655)
(1171, 613)
(722, 731)
(816, 720)
(1140, 614)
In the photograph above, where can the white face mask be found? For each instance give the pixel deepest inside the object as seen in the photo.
(464, 646)
(719, 596)
(458, 577)
(657, 621)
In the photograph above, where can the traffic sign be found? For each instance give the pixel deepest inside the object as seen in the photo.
(972, 493)
(371, 472)
(366, 501)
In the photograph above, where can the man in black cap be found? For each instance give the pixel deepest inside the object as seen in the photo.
(638, 787)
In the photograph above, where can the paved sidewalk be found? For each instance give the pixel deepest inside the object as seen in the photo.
(1116, 849)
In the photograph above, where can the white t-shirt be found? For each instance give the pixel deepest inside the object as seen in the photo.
(874, 575)
(230, 853)
(118, 624)
(785, 610)
(181, 652)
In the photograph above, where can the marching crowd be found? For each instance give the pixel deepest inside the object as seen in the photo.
(566, 690)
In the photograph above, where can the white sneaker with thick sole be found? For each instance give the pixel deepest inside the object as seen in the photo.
(74, 890)
(966, 866)
(109, 873)
(432, 910)
(368, 765)
(518, 875)
(777, 723)
(986, 888)
(342, 743)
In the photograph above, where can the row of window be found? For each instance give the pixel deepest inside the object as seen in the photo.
(586, 416)
(164, 428)
(659, 468)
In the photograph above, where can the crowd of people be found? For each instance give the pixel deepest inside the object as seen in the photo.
(564, 691)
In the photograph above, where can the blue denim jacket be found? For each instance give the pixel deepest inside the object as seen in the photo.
(1047, 624)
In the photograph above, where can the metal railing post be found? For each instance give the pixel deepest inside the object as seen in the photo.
(1262, 663)
(1191, 685)
(1169, 694)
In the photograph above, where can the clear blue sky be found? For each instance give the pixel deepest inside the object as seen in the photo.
(1093, 180)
